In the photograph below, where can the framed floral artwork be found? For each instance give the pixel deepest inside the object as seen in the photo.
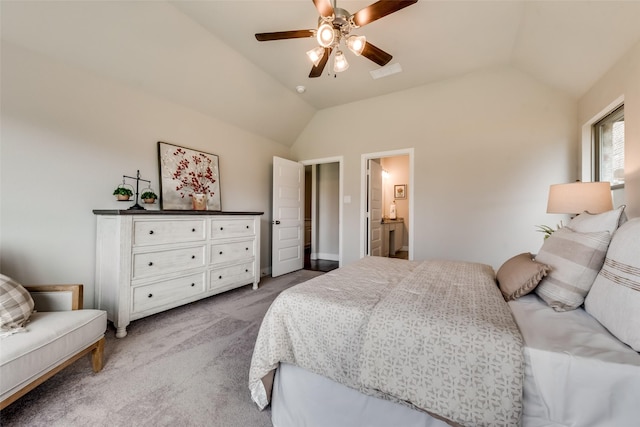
(400, 191)
(189, 179)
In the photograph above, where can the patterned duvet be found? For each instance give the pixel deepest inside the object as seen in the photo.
(435, 334)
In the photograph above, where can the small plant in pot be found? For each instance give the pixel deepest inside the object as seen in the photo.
(122, 193)
(149, 197)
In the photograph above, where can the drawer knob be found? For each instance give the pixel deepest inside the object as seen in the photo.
(221, 228)
(219, 277)
(246, 270)
(150, 295)
(220, 252)
(193, 230)
(193, 284)
(246, 249)
(193, 257)
(247, 227)
(150, 264)
(150, 231)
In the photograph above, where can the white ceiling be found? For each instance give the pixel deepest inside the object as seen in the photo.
(566, 44)
(203, 54)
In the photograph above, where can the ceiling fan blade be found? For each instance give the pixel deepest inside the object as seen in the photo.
(282, 35)
(378, 10)
(376, 54)
(316, 71)
(324, 7)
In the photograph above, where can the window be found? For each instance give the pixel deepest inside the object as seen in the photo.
(608, 148)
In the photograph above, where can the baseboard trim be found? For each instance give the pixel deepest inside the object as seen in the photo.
(326, 256)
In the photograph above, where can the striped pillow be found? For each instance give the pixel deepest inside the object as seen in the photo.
(575, 260)
(16, 305)
(614, 299)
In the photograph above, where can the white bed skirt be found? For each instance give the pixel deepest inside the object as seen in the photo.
(302, 398)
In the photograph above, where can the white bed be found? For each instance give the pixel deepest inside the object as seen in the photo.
(575, 372)
(576, 375)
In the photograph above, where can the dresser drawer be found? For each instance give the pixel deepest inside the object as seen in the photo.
(147, 264)
(233, 251)
(221, 228)
(167, 292)
(238, 274)
(158, 232)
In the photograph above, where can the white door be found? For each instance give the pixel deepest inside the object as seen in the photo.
(375, 209)
(287, 238)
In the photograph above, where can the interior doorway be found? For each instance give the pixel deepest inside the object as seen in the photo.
(387, 205)
(323, 213)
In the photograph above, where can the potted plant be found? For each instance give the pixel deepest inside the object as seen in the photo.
(149, 197)
(122, 193)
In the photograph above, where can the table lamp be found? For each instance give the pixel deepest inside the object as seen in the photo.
(578, 197)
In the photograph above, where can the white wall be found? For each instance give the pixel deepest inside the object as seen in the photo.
(622, 80)
(67, 138)
(487, 147)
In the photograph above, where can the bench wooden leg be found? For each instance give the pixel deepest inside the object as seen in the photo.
(96, 356)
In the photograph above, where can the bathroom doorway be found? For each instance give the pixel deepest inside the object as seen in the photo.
(387, 207)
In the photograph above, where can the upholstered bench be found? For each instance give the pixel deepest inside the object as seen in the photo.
(57, 334)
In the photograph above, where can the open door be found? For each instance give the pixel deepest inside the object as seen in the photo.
(375, 209)
(287, 242)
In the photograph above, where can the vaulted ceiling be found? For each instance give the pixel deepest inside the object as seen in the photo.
(566, 44)
(203, 54)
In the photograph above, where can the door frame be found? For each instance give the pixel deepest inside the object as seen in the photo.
(363, 190)
(340, 161)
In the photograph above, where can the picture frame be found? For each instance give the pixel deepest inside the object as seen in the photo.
(400, 191)
(185, 172)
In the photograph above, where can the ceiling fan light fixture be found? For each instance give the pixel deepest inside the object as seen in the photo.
(325, 34)
(356, 44)
(340, 63)
(315, 55)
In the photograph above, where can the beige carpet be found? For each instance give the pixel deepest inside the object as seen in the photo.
(184, 367)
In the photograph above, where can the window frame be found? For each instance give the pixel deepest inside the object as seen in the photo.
(596, 146)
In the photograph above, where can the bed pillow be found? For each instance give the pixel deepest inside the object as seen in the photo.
(16, 304)
(575, 260)
(520, 275)
(614, 299)
(609, 221)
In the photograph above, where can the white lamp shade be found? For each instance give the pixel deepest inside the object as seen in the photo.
(578, 197)
(340, 62)
(356, 44)
(315, 55)
(325, 35)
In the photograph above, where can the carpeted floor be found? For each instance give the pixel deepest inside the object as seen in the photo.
(185, 367)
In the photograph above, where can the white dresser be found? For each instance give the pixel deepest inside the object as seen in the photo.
(151, 261)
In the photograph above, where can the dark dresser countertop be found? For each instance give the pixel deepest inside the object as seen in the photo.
(167, 212)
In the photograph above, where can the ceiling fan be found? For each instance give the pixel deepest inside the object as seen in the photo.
(334, 26)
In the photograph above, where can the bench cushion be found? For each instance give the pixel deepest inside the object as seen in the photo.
(50, 339)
